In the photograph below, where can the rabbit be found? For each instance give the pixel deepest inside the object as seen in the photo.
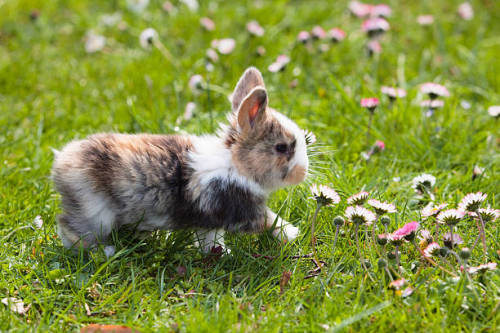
(210, 183)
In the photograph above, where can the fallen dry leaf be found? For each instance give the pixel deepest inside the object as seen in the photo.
(95, 328)
(16, 305)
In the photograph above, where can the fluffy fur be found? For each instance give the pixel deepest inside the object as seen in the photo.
(208, 183)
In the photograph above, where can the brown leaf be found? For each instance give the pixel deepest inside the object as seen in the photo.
(285, 278)
(95, 328)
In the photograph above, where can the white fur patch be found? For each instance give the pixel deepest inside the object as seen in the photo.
(300, 157)
(210, 159)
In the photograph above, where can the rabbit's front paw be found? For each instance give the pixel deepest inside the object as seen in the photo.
(286, 233)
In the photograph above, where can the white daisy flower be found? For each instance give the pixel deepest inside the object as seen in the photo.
(450, 216)
(393, 93)
(431, 210)
(494, 111)
(425, 20)
(336, 34)
(425, 235)
(280, 63)
(381, 10)
(359, 215)
(196, 83)
(434, 90)
(452, 243)
(310, 137)
(432, 104)
(38, 222)
(147, 37)
(465, 11)
(423, 182)
(358, 199)
(487, 214)
(191, 4)
(431, 250)
(482, 268)
(137, 6)
(375, 25)
(324, 195)
(381, 208)
(94, 43)
(472, 201)
(254, 28)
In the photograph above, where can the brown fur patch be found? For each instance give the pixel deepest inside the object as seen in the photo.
(297, 175)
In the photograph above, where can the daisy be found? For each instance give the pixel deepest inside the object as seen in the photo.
(465, 11)
(393, 93)
(189, 111)
(359, 9)
(450, 217)
(207, 24)
(432, 250)
(407, 231)
(397, 284)
(318, 32)
(148, 37)
(482, 268)
(432, 211)
(279, 64)
(303, 36)
(425, 235)
(378, 146)
(487, 214)
(381, 10)
(137, 6)
(382, 239)
(434, 90)
(358, 199)
(336, 34)
(225, 45)
(373, 47)
(38, 222)
(370, 103)
(191, 4)
(477, 171)
(196, 84)
(375, 26)
(359, 215)
(425, 20)
(382, 208)
(423, 183)
(494, 111)
(396, 240)
(324, 195)
(432, 104)
(254, 28)
(452, 240)
(472, 201)
(212, 55)
(94, 43)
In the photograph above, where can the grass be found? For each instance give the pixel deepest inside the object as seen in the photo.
(52, 91)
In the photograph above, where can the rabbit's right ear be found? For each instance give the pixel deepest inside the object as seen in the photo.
(248, 81)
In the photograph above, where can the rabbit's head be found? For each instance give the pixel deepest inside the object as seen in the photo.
(265, 145)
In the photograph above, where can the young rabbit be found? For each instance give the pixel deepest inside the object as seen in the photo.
(208, 183)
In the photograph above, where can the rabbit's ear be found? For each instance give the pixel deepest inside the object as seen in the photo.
(248, 81)
(252, 109)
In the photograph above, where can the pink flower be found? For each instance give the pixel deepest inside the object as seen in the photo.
(325, 195)
(381, 10)
(379, 145)
(373, 47)
(303, 36)
(397, 284)
(375, 25)
(393, 93)
(318, 32)
(465, 11)
(212, 55)
(425, 20)
(207, 24)
(359, 9)
(336, 34)
(431, 250)
(407, 230)
(224, 46)
(434, 90)
(369, 103)
(279, 64)
(255, 29)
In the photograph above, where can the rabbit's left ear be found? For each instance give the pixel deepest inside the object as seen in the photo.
(251, 79)
(252, 109)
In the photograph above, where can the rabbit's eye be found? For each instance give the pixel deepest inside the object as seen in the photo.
(281, 148)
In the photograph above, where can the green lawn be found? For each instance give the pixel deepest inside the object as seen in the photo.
(52, 91)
